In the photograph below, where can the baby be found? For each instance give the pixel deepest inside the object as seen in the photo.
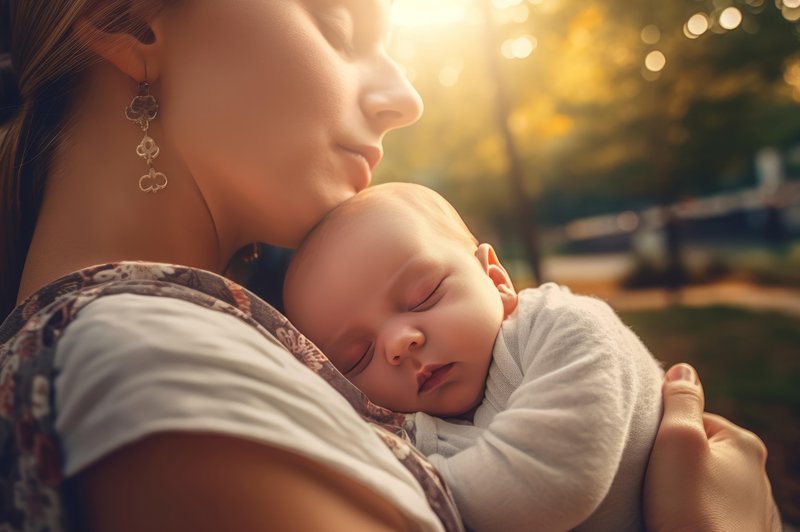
(557, 401)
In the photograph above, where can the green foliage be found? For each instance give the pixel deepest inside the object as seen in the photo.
(594, 134)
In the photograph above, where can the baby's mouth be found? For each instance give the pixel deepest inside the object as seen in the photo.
(431, 376)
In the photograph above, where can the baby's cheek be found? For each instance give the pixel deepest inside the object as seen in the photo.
(378, 388)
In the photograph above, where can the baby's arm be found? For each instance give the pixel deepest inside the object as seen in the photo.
(590, 392)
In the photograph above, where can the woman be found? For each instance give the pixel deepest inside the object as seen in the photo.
(145, 396)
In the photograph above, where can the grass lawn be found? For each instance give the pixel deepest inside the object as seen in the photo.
(749, 363)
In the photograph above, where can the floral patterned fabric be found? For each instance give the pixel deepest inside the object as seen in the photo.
(33, 494)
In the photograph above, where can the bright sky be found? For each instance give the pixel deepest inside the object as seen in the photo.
(428, 12)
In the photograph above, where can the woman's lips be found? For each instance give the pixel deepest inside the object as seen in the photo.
(360, 168)
(372, 154)
(432, 376)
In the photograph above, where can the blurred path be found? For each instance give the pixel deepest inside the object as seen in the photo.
(599, 275)
(737, 294)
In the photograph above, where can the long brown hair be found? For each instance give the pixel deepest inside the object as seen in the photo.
(41, 65)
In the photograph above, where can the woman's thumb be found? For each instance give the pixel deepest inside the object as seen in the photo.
(683, 408)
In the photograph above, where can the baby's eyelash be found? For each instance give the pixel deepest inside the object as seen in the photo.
(417, 308)
(360, 360)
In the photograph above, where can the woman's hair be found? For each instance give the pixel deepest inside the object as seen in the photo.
(41, 65)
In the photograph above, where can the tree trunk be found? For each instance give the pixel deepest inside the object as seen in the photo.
(523, 208)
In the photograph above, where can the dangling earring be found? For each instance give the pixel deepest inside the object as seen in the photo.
(142, 109)
(253, 254)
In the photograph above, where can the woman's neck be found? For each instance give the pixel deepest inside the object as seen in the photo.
(93, 211)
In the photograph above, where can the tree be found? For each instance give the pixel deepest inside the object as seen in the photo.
(595, 129)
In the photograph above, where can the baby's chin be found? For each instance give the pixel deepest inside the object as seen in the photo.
(464, 411)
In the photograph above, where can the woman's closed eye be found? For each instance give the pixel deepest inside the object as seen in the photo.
(338, 26)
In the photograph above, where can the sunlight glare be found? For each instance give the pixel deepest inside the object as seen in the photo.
(427, 13)
(500, 4)
(513, 14)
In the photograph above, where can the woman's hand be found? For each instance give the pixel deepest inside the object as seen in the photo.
(705, 473)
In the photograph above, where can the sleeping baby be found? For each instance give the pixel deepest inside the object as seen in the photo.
(539, 408)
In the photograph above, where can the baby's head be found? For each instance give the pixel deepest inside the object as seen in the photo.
(396, 291)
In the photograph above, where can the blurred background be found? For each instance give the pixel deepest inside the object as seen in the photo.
(644, 152)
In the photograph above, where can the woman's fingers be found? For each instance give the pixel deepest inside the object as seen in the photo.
(705, 473)
(720, 430)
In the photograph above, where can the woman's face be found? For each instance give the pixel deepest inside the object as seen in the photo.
(279, 107)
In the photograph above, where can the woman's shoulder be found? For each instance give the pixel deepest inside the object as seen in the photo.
(123, 322)
(118, 352)
(132, 366)
(117, 337)
(131, 363)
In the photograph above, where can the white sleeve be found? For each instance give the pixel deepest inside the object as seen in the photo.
(549, 459)
(132, 365)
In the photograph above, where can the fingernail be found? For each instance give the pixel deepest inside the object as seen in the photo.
(681, 372)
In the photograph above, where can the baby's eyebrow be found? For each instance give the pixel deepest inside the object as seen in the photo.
(405, 272)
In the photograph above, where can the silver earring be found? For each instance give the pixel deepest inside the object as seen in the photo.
(253, 253)
(142, 109)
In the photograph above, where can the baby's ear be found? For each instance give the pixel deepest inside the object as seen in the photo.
(499, 276)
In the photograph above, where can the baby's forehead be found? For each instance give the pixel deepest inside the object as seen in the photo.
(400, 206)
(381, 217)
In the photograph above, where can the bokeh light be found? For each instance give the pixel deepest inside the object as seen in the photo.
(651, 34)
(792, 14)
(655, 61)
(730, 18)
(627, 221)
(519, 48)
(697, 24)
(792, 78)
(451, 72)
(791, 4)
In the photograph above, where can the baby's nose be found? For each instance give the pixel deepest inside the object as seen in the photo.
(403, 342)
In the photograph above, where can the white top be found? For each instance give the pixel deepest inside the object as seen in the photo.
(133, 365)
(563, 435)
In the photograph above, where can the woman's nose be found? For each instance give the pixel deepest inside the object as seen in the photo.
(402, 342)
(389, 100)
